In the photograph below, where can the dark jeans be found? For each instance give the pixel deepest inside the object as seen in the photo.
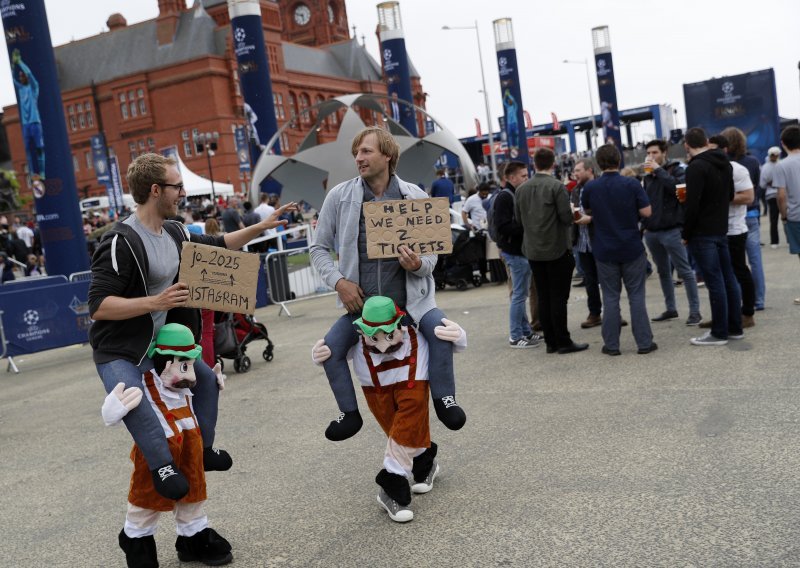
(342, 336)
(633, 275)
(714, 260)
(774, 213)
(553, 282)
(737, 245)
(593, 300)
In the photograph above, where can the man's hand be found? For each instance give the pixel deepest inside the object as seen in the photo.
(351, 295)
(320, 352)
(584, 220)
(175, 296)
(119, 402)
(220, 376)
(16, 57)
(409, 259)
(450, 331)
(274, 220)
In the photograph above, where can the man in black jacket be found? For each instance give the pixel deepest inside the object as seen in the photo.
(134, 291)
(663, 231)
(509, 241)
(709, 190)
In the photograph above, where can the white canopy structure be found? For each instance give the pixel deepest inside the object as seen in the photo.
(316, 167)
(198, 185)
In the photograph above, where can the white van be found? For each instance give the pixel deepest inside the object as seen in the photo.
(101, 202)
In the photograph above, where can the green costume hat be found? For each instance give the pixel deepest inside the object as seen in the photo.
(379, 314)
(175, 339)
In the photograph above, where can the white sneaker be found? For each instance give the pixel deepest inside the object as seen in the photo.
(426, 484)
(773, 247)
(708, 339)
(397, 512)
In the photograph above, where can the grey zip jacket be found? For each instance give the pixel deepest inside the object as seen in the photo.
(337, 230)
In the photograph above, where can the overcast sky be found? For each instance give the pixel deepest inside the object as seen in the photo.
(657, 46)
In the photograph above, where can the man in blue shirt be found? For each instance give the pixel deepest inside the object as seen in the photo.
(28, 98)
(443, 187)
(616, 204)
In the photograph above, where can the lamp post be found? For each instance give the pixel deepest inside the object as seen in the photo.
(485, 94)
(585, 63)
(207, 141)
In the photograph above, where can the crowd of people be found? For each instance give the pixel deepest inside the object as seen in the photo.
(699, 220)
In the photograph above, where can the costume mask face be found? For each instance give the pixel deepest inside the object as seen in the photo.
(179, 374)
(383, 342)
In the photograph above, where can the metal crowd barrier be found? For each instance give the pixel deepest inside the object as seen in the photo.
(81, 276)
(291, 278)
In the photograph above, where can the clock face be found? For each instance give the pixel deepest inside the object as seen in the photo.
(302, 14)
(330, 14)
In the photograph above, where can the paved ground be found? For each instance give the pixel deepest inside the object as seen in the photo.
(685, 457)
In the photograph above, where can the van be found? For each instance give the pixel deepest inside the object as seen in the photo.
(101, 202)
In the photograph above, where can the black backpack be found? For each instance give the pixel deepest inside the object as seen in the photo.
(490, 224)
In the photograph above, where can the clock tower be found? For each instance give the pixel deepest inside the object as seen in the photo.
(314, 22)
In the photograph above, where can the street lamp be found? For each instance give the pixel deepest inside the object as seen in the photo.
(485, 94)
(207, 141)
(585, 62)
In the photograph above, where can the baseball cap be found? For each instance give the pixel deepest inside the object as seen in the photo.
(774, 150)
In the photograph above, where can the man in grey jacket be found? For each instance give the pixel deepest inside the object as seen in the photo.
(408, 280)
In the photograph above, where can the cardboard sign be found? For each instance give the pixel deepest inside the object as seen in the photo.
(423, 225)
(220, 279)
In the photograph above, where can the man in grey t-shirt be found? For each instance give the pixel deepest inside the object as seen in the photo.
(787, 179)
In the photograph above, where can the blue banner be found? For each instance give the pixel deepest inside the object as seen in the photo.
(398, 83)
(44, 132)
(609, 111)
(242, 148)
(37, 317)
(100, 159)
(748, 102)
(514, 123)
(114, 189)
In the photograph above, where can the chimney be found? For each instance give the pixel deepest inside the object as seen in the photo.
(169, 11)
(116, 22)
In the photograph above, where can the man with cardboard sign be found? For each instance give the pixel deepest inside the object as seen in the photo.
(135, 290)
(405, 276)
(218, 279)
(423, 225)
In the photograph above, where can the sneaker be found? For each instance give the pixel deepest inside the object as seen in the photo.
(397, 512)
(427, 484)
(533, 336)
(668, 315)
(773, 247)
(694, 319)
(701, 284)
(736, 336)
(708, 339)
(526, 342)
(797, 301)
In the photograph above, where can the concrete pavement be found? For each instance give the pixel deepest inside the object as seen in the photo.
(685, 457)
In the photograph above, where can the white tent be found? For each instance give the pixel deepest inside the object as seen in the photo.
(198, 185)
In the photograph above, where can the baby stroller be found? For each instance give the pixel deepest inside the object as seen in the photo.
(465, 264)
(232, 334)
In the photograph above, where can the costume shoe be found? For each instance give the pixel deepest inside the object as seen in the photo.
(207, 547)
(139, 552)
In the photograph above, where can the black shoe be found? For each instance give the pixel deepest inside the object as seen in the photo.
(169, 482)
(345, 426)
(574, 348)
(668, 315)
(613, 352)
(449, 412)
(579, 284)
(139, 552)
(207, 547)
(216, 460)
(551, 349)
(646, 350)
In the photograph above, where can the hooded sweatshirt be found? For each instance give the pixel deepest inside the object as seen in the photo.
(709, 191)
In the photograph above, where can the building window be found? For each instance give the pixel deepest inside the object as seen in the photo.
(89, 118)
(124, 108)
(187, 149)
(305, 117)
(141, 145)
(284, 142)
(82, 120)
(151, 144)
(185, 135)
(319, 100)
(75, 162)
(134, 110)
(71, 109)
(292, 106)
(280, 113)
(88, 157)
(142, 107)
(72, 123)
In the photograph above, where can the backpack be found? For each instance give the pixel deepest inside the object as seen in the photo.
(490, 225)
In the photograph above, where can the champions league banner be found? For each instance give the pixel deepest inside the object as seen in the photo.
(513, 131)
(398, 82)
(748, 102)
(44, 132)
(609, 112)
(100, 159)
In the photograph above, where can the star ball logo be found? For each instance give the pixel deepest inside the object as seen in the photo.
(240, 34)
(387, 54)
(727, 88)
(503, 62)
(30, 317)
(601, 64)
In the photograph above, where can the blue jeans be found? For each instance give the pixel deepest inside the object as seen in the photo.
(714, 260)
(142, 422)
(754, 257)
(342, 336)
(519, 326)
(668, 250)
(634, 275)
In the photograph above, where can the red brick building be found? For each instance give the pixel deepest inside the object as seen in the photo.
(153, 84)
